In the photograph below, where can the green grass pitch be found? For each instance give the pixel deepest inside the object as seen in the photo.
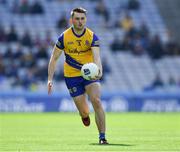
(54, 132)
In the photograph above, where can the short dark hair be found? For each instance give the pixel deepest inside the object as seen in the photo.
(78, 10)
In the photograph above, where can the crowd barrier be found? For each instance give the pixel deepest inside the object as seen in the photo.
(112, 102)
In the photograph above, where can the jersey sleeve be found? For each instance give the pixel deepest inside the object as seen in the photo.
(95, 41)
(60, 42)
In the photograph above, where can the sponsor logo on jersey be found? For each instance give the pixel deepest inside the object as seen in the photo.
(70, 43)
(76, 51)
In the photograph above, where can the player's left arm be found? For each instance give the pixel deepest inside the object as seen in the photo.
(97, 60)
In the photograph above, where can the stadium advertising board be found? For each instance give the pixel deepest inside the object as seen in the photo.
(119, 102)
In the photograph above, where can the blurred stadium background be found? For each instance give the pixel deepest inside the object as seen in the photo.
(140, 51)
(139, 46)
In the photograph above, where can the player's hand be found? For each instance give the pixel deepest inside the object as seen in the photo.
(98, 76)
(50, 86)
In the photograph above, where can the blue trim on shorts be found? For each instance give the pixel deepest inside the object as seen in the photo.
(76, 85)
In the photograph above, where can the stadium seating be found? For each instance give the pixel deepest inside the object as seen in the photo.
(129, 72)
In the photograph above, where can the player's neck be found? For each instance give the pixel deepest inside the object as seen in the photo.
(78, 32)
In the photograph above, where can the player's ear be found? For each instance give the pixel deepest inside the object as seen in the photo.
(70, 21)
(85, 18)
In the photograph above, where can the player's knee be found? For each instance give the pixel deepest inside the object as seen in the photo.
(96, 102)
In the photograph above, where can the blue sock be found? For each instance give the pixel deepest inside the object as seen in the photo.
(102, 136)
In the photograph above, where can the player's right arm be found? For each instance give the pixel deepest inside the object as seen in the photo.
(52, 66)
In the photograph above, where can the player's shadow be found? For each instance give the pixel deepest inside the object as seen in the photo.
(111, 144)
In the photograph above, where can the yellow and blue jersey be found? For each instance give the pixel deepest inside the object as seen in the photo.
(77, 50)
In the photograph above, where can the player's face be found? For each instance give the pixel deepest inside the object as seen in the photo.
(79, 21)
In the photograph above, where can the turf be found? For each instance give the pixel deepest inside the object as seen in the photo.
(126, 132)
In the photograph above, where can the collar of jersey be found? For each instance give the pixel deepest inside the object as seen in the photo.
(77, 34)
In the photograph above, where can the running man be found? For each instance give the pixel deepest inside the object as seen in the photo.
(80, 45)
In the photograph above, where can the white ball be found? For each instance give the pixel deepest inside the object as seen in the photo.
(89, 71)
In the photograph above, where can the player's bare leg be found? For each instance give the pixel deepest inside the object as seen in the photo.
(93, 91)
(82, 106)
